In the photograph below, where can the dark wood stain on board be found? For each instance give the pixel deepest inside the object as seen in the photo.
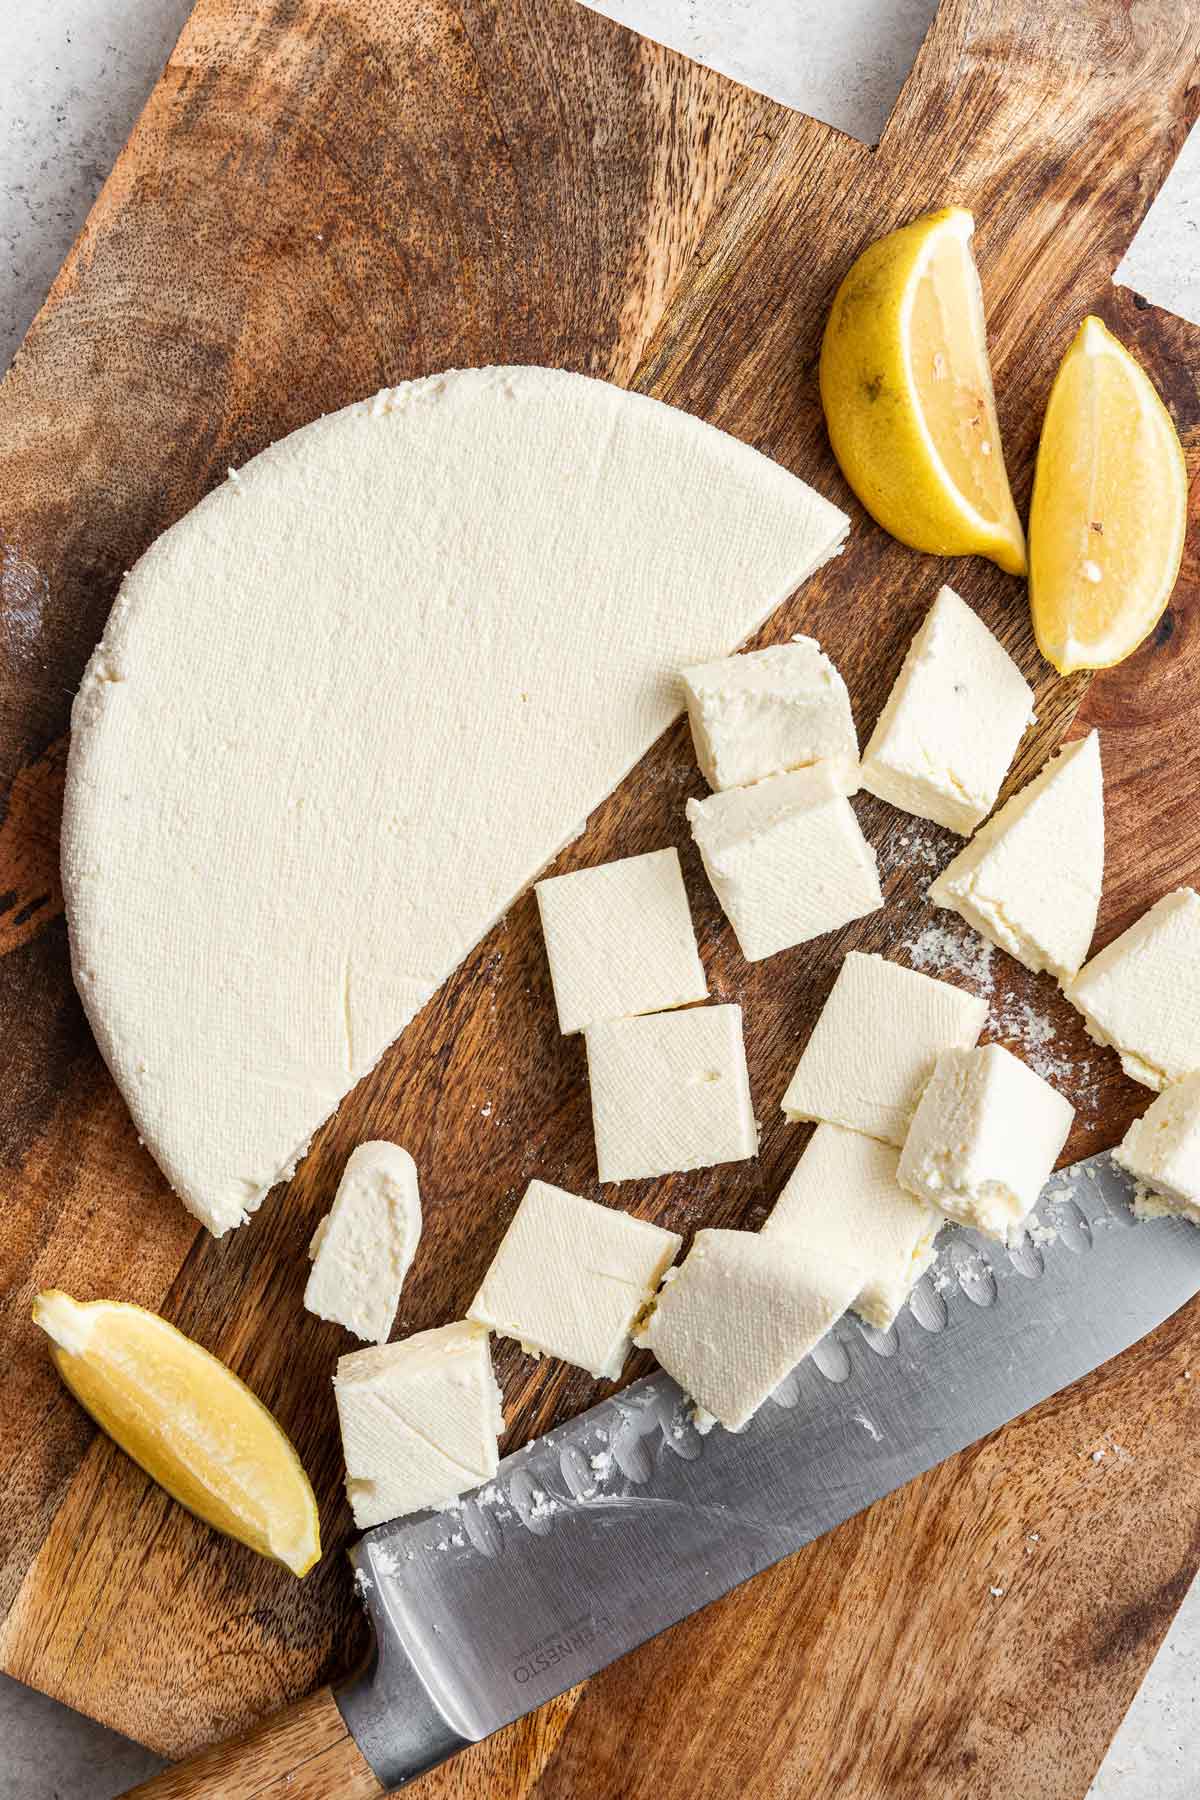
(323, 198)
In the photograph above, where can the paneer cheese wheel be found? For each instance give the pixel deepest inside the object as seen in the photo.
(348, 708)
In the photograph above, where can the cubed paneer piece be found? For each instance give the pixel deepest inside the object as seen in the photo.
(364, 1246)
(984, 1140)
(1030, 878)
(769, 711)
(787, 859)
(844, 1201)
(1161, 1150)
(420, 1421)
(952, 722)
(619, 940)
(571, 1276)
(670, 1091)
(739, 1314)
(873, 1048)
(1142, 993)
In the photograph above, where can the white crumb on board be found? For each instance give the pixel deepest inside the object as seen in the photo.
(848, 77)
(1032, 1033)
(940, 950)
(1162, 264)
(919, 852)
(919, 847)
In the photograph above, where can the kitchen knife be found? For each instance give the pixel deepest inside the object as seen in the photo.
(622, 1522)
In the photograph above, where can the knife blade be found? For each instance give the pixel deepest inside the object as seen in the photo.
(620, 1523)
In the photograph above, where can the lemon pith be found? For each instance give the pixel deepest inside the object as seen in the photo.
(1109, 510)
(907, 393)
(188, 1421)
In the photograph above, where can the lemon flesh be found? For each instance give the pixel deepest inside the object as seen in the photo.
(188, 1421)
(1109, 512)
(907, 392)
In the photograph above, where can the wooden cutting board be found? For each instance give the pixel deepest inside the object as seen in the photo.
(322, 197)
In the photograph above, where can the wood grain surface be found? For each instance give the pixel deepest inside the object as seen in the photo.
(305, 1752)
(323, 197)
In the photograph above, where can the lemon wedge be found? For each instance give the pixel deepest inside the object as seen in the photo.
(1109, 510)
(189, 1422)
(908, 399)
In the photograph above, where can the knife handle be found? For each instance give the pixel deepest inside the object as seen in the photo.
(303, 1753)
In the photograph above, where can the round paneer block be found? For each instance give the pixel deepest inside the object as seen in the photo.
(348, 708)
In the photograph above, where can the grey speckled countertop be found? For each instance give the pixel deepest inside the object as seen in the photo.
(73, 76)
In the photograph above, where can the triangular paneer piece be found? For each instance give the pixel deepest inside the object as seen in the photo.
(1030, 879)
(347, 709)
(1141, 993)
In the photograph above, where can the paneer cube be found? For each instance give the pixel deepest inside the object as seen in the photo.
(1161, 1150)
(873, 1048)
(571, 1276)
(787, 859)
(619, 940)
(739, 1314)
(984, 1139)
(420, 1421)
(670, 1091)
(769, 711)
